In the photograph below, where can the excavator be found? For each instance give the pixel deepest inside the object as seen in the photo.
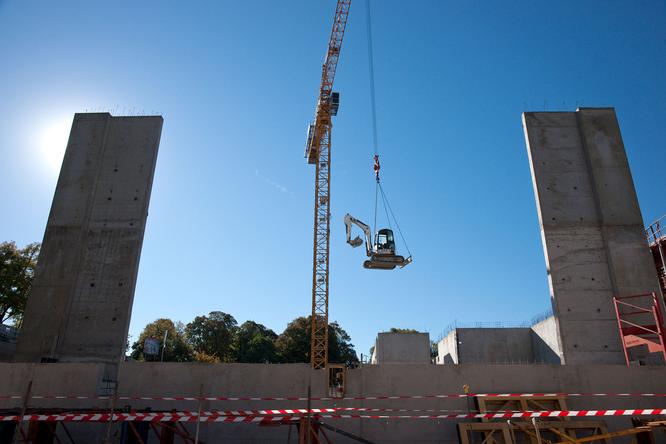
(381, 252)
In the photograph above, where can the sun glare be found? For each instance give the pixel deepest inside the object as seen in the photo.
(53, 142)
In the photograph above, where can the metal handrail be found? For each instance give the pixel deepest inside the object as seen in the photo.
(640, 295)
(654, 231)
(641, 309)
(642, 327)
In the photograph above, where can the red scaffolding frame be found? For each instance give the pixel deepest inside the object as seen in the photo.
(632, 332)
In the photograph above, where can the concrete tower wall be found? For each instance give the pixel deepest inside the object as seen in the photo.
(591, 226)
(80, 305)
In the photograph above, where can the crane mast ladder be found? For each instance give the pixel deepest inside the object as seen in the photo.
(320, 154)
(319, 340)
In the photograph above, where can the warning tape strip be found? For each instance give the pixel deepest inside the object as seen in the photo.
(373, 409)
(147, 417)
(324, 398)
(188, 417)
(101, 416)
(256, 412)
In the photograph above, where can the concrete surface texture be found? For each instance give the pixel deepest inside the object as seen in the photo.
(545, 342)
(447, 349)
(81, 300)
(401, 348)
(591, 226)
(265, 380)
(500, 345)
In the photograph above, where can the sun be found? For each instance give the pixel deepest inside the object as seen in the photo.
(53, 142)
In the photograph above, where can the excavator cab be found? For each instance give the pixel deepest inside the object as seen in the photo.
(381, 254)
(384, 243)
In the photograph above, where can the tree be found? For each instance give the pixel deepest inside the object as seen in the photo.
(340, 348)
(17, 269)
(293, 345)
(176, 348)
(255, 343)
(207, 359)
(402, 330)
(213, 335)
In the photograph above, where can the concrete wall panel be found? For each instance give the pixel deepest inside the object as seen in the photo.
(447, 348)
(402, 348)
(80, 305)
(546, 342)
(591, 227)
(494, 345)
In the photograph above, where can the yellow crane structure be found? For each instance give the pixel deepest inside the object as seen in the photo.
(318, 153)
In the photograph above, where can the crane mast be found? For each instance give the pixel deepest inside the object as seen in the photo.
(318, 152)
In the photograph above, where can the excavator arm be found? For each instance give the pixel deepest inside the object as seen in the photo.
(357, 241)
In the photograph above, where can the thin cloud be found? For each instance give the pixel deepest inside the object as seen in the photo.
(281, 188)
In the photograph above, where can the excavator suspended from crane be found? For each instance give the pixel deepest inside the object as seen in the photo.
(381, 252)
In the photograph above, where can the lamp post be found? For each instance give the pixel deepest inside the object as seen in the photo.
(164, 345)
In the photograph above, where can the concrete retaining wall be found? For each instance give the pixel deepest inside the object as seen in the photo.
(170, 379)
(536, 345)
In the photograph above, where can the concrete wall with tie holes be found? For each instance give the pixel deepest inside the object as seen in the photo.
(81, 300)
(281, 380)
(591, 226)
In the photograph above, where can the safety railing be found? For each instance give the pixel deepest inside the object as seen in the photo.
(655, 232)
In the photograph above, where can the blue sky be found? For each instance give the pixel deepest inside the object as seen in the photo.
(230, 224)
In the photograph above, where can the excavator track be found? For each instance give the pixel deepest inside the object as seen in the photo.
(386, 262)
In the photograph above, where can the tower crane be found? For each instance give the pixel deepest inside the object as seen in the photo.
(318, 153)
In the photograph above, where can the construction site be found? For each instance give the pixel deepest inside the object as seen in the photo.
(590, 369)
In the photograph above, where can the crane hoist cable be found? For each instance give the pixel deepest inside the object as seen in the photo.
(395, 220)
(373, 105)
(379, 190)
(371, 73)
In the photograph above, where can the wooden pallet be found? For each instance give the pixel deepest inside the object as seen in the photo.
(521, 432)
(492, 404)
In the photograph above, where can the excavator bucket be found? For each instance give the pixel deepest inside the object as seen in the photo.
(356, 242)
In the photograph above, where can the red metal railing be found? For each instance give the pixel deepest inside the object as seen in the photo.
(633, 332)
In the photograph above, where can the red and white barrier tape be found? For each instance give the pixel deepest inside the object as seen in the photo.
(144, 417)
(347, 398)
(190, 417)
(257, 412)
(373, 409)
